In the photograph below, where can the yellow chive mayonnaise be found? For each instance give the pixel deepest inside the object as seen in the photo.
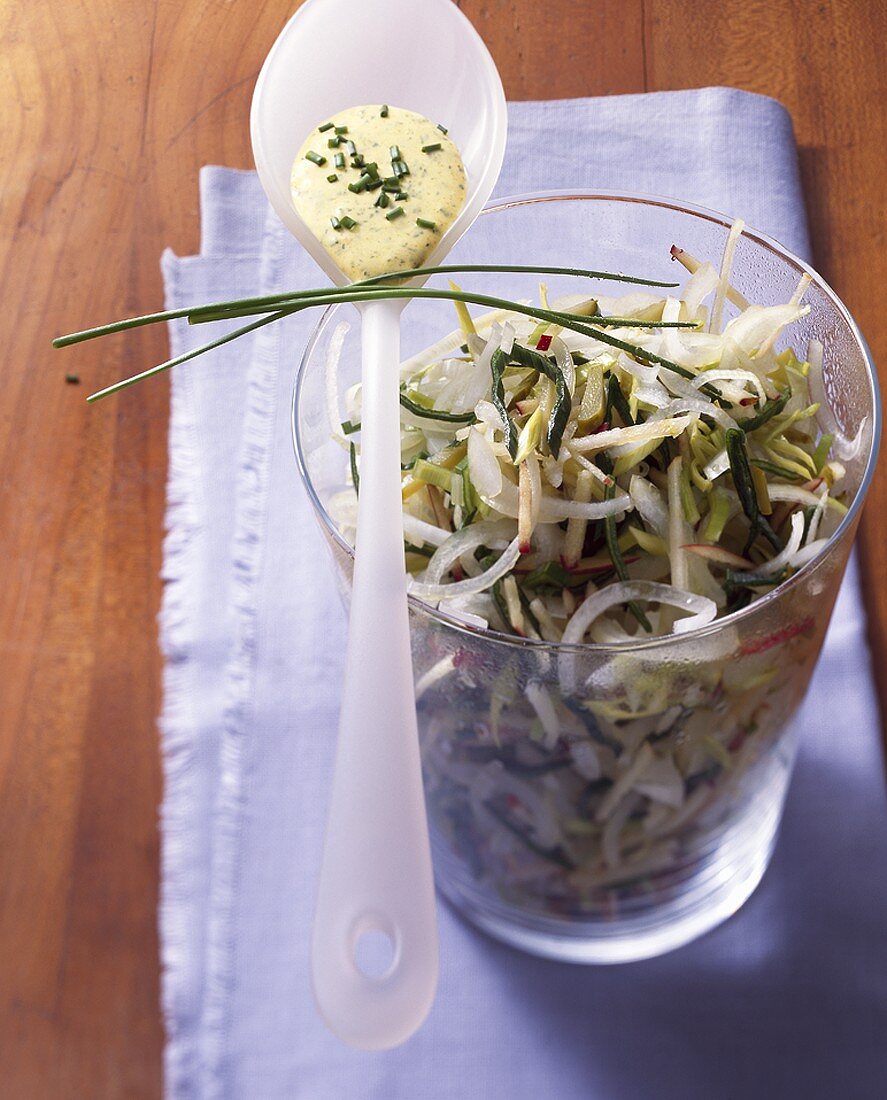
(399, 184)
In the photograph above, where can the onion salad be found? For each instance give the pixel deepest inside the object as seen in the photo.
(562, 491)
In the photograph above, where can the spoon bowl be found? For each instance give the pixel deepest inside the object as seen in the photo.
(422, 55)
(376, 884)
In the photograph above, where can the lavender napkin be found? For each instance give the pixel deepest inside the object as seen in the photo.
(788, 999)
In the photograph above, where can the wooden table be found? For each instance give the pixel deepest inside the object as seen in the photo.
(109, 109)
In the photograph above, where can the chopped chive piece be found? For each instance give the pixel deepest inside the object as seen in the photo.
(382, 200)
(72, 379)
(373, 184)
(442, 129)
(315, 158)
(348, 223)
(555, 854)
(341, 129)
(553, 573)
(332, 177)
(400, 167)
(384, 111)
(358, 185)
(498, 363)
(776, 470)
(394, 152)
(335, 223)
(395, 213)
(753, 580)
(350, 148)
(742, 479)
(339, 160)
(355, 476)
(349, 427)
(424, 223)
(372, 169)
(401, 196)
(435, 414)
(560, 412)
(332, 143)
(326, 126)
(390, 184)
(737, 452)
(432, 148)
(616, 400)
(769, 409)
(619, 562)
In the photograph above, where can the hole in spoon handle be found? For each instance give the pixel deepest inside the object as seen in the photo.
(376, 950)
(374, 981)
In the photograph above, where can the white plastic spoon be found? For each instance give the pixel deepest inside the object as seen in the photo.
(376, 874)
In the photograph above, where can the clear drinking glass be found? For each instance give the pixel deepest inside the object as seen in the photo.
(529, 841)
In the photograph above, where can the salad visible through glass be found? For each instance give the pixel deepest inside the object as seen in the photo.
(561, 490)
(555, 487)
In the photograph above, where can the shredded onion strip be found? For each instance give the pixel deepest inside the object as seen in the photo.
(487, 533)
(434, 592)
(717, 310)
(667, 427)
(331, 381)
(702, 612)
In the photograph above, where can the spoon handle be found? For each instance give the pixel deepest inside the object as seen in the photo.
(376, 870)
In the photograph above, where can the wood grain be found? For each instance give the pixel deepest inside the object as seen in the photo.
(110, 107)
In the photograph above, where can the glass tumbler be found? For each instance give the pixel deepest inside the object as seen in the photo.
(606, 803)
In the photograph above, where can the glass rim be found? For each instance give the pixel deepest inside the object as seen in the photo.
(770, 244)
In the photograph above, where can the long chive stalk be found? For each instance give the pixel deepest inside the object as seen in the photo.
(358, 293)
(226, 339)
(286, 296)
(526, 269)
(436, 414)
(361, 292)
(273, 300)
(283, 305)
